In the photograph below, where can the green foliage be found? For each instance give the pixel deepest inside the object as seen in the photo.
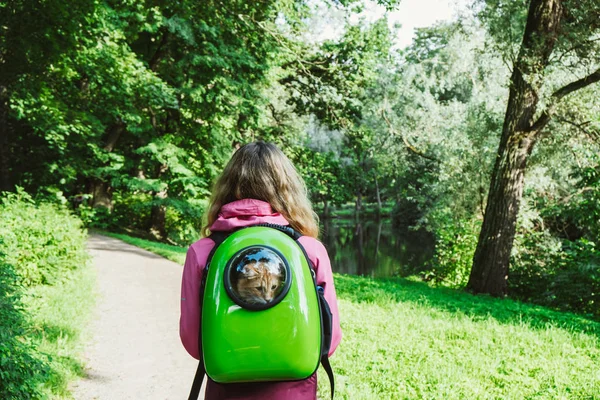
(324, 175)
(43, 241)
(59, 315)
(456, 241)
(581, 210)
(555, 260)
(557, 273)
(131, 212)
(40, 323)
(21, 369)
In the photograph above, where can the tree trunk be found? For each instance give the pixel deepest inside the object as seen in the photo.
(158, 218)
(101, 190)
(378, 197)
(158, 215)
(358, 205)
(379, 229)
(492, 256)
(5, 175)
(360, 246)
(101, 194)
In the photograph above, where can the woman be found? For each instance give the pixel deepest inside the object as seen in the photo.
(259, 185)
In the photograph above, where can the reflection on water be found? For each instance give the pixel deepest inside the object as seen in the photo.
(371, 247)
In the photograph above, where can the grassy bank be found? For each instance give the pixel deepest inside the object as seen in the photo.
(349, 210)
(59, 315)
(406, 340)
(173, 253)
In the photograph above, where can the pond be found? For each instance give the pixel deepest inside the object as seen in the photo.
(372, 247)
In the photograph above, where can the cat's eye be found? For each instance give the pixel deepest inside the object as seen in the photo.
(248, 274)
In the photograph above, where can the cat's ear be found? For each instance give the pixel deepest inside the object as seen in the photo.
(250, 271)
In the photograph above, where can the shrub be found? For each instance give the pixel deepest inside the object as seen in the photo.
(558, 273)
(131, 213)
(40, 243)
(455, 246)
(20, 370)
(43, 241)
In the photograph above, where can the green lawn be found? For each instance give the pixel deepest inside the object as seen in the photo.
(406, 340)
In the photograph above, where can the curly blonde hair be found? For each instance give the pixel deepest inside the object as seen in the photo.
(261, 171)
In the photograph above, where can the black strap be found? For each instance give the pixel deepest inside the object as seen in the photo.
(198, 378)
(218, 238)
(288, 230)
(327, 334)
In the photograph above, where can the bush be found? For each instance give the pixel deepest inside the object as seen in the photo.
(20, 370)
(558, 273)
(43, 241)
(455, 246)
(40, 243)
(131, 214)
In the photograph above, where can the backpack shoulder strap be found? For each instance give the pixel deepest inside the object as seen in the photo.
(327, 324)
(218, 238)
(288, 230)
(326, 321)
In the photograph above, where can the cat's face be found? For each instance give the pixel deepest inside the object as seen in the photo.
(258, 282)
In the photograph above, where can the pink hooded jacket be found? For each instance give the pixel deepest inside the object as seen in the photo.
(234, 215)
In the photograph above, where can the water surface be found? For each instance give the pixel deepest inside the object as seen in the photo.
(372, 247)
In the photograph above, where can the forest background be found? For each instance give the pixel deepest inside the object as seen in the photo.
(485, 131)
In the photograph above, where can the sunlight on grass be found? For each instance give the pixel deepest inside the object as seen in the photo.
(170, 252)
(405, 340)
(59, 316)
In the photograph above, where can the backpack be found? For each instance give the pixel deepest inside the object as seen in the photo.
(259, 332)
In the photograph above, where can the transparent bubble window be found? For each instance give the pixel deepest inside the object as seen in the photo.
(257, 277)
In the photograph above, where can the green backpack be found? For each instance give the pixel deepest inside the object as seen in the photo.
(263, 318)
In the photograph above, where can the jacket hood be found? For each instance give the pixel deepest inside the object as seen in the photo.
(246, 212)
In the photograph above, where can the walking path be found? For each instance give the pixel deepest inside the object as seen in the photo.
(135, 352)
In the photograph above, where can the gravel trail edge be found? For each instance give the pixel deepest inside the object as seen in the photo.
(134, 351)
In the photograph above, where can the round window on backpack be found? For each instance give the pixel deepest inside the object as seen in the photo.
(257, 277)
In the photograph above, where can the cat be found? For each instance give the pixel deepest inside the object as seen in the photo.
(258, 282)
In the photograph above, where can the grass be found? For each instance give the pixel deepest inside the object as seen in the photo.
(173, 253)
(349, 210)
(406, 340)
(59, 315)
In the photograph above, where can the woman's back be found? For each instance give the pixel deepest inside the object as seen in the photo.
(256, 170)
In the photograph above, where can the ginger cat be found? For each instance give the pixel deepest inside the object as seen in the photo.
(259, 282)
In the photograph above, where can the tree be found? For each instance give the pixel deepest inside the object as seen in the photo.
(571, 27)
(33, 35)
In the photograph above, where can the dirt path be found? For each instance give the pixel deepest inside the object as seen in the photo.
(135, 352)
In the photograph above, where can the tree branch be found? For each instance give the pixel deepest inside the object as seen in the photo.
(577, 193)
(160, 50)
(547, 115)
(579, 84)
(581, 126)
(409, 146)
